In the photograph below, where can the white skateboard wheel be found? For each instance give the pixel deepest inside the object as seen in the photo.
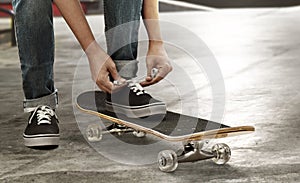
(93, 133)
(222, 153)
(167, 161)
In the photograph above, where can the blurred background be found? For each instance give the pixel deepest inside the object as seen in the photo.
(95, 6)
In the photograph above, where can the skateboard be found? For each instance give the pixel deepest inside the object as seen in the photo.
(172, 127)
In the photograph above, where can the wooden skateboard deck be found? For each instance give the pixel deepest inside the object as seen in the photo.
(171, 126)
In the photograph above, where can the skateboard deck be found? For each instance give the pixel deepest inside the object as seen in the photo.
(172, 127)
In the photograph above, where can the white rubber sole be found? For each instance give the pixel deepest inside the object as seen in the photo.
(137, 112)
(41, 141)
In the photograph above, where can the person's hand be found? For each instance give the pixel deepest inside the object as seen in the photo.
(101, 66)
(156, 58)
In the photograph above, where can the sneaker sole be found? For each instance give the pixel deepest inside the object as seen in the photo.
(137, 112)
(41, 141)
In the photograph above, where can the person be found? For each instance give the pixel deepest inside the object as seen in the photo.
(35, 39)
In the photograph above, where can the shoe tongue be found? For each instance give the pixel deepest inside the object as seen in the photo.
(137, 86)
(47, 110)
(44, 121)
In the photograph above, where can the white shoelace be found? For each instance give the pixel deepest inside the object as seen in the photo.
(154, 72)
(44, 115)
(137, 88)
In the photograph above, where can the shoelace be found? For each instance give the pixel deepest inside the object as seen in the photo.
(137, 88)
(44, 115)
(154, 72)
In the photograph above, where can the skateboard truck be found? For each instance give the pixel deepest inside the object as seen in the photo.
(193, 151)
(121, 129)
(94, 132)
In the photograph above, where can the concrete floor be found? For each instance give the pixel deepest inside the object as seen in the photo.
(257, 51)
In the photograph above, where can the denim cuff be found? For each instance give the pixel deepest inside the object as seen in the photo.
(127, 68)
(51, 100)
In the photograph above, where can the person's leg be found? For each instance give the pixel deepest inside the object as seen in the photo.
(35, 37)
(122, 21)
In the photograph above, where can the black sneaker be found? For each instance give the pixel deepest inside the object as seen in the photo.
(42, 129)
(134, 102)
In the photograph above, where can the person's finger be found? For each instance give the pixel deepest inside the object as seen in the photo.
(164, 71)
(113, 71)
(103, 88)
(148, 77)
(153, 81)
(144, 83)
(151, 73)
(158, 75)
(156, 79)
(106, 86)
(103, 81)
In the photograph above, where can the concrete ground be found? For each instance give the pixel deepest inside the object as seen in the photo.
(257, 51)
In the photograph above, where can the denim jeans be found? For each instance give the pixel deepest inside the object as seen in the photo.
(35, 39)
(122, 21)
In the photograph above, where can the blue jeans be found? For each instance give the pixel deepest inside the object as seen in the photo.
(35, 38)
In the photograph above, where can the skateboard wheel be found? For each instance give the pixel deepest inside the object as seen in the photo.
(139, 134)
(222, 153)
(93, 133)
(167, 161)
